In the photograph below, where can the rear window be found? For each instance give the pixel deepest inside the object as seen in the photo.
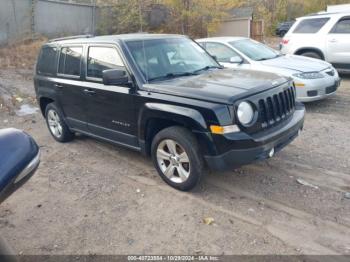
(70, 61)
(47, 61)
(310, 26)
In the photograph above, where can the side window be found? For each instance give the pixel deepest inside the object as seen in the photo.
(310, 26)
(342, 27)
(222, 52)
(47, 61)
(70, 61)
(102, 58)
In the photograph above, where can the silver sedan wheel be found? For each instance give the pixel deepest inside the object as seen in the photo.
(173, 161)
(54, 123)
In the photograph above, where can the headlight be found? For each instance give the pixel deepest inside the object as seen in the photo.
(245, 113)
(311, 75)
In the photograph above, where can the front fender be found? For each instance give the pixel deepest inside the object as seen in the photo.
(188, 117)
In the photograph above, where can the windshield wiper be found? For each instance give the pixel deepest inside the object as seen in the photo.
(172, 75)
(206, 68)
(268, 58)
(264, 58)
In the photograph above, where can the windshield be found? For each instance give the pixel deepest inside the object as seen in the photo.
(255, 50)
(167, 58)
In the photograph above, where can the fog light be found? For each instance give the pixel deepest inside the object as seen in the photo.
(272, 152)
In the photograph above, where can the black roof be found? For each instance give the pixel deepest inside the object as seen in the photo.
(111, 38)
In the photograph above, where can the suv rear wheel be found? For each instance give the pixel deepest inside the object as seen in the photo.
(58, 128)
(176, 156)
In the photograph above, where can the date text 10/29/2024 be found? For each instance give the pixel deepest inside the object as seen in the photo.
(173, 258)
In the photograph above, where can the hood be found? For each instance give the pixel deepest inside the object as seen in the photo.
(220, 85)
(297, 63)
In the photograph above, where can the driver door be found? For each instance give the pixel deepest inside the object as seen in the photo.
(110, 109)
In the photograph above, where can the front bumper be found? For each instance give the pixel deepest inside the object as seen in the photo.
(317, 90)
(262, 145)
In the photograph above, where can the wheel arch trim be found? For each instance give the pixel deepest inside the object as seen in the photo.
(183, 116)
(40, 102)
(187, 116)
(312, 49)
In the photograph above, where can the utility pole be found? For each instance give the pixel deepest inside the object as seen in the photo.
(186, 4)
(140, 15)
(32, 19)
(93, 17)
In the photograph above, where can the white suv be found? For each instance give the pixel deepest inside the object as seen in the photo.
(324, 35)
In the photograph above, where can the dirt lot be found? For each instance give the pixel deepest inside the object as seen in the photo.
(89, 197)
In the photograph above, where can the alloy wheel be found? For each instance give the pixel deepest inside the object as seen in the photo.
(54, 123)
(173, 161)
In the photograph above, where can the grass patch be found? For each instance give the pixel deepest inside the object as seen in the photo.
(20, 55)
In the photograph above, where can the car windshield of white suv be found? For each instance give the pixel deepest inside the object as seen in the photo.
(255, 50)
(161, 59)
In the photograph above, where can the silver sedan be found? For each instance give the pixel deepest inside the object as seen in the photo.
(314, 79)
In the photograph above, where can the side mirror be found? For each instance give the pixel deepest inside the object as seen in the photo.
(236, 60)
(214, 57)
(115, 77)
(19, 159)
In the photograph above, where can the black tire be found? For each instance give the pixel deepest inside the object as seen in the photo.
(188, 143)
(66, 135)
(312, 55)
(283, 33)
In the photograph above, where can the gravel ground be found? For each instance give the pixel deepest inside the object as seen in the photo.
(89, 197)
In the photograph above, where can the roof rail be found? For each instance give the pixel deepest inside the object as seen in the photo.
(70, 37)
(328, 13)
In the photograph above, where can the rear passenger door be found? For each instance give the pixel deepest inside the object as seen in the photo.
(71, 96)
(110, 109)
(338, 44)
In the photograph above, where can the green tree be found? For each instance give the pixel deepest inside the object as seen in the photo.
(275, 11)
(122, 16)
(191, 17)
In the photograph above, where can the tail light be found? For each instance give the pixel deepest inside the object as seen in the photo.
(285, 41)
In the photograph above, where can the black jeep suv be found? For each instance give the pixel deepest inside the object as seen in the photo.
(165, 96)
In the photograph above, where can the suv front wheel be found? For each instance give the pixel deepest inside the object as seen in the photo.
(177, 158)
(55, 122)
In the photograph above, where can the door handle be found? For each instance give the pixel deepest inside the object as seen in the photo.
(89, 91)
(333, 40)
(58, 85)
